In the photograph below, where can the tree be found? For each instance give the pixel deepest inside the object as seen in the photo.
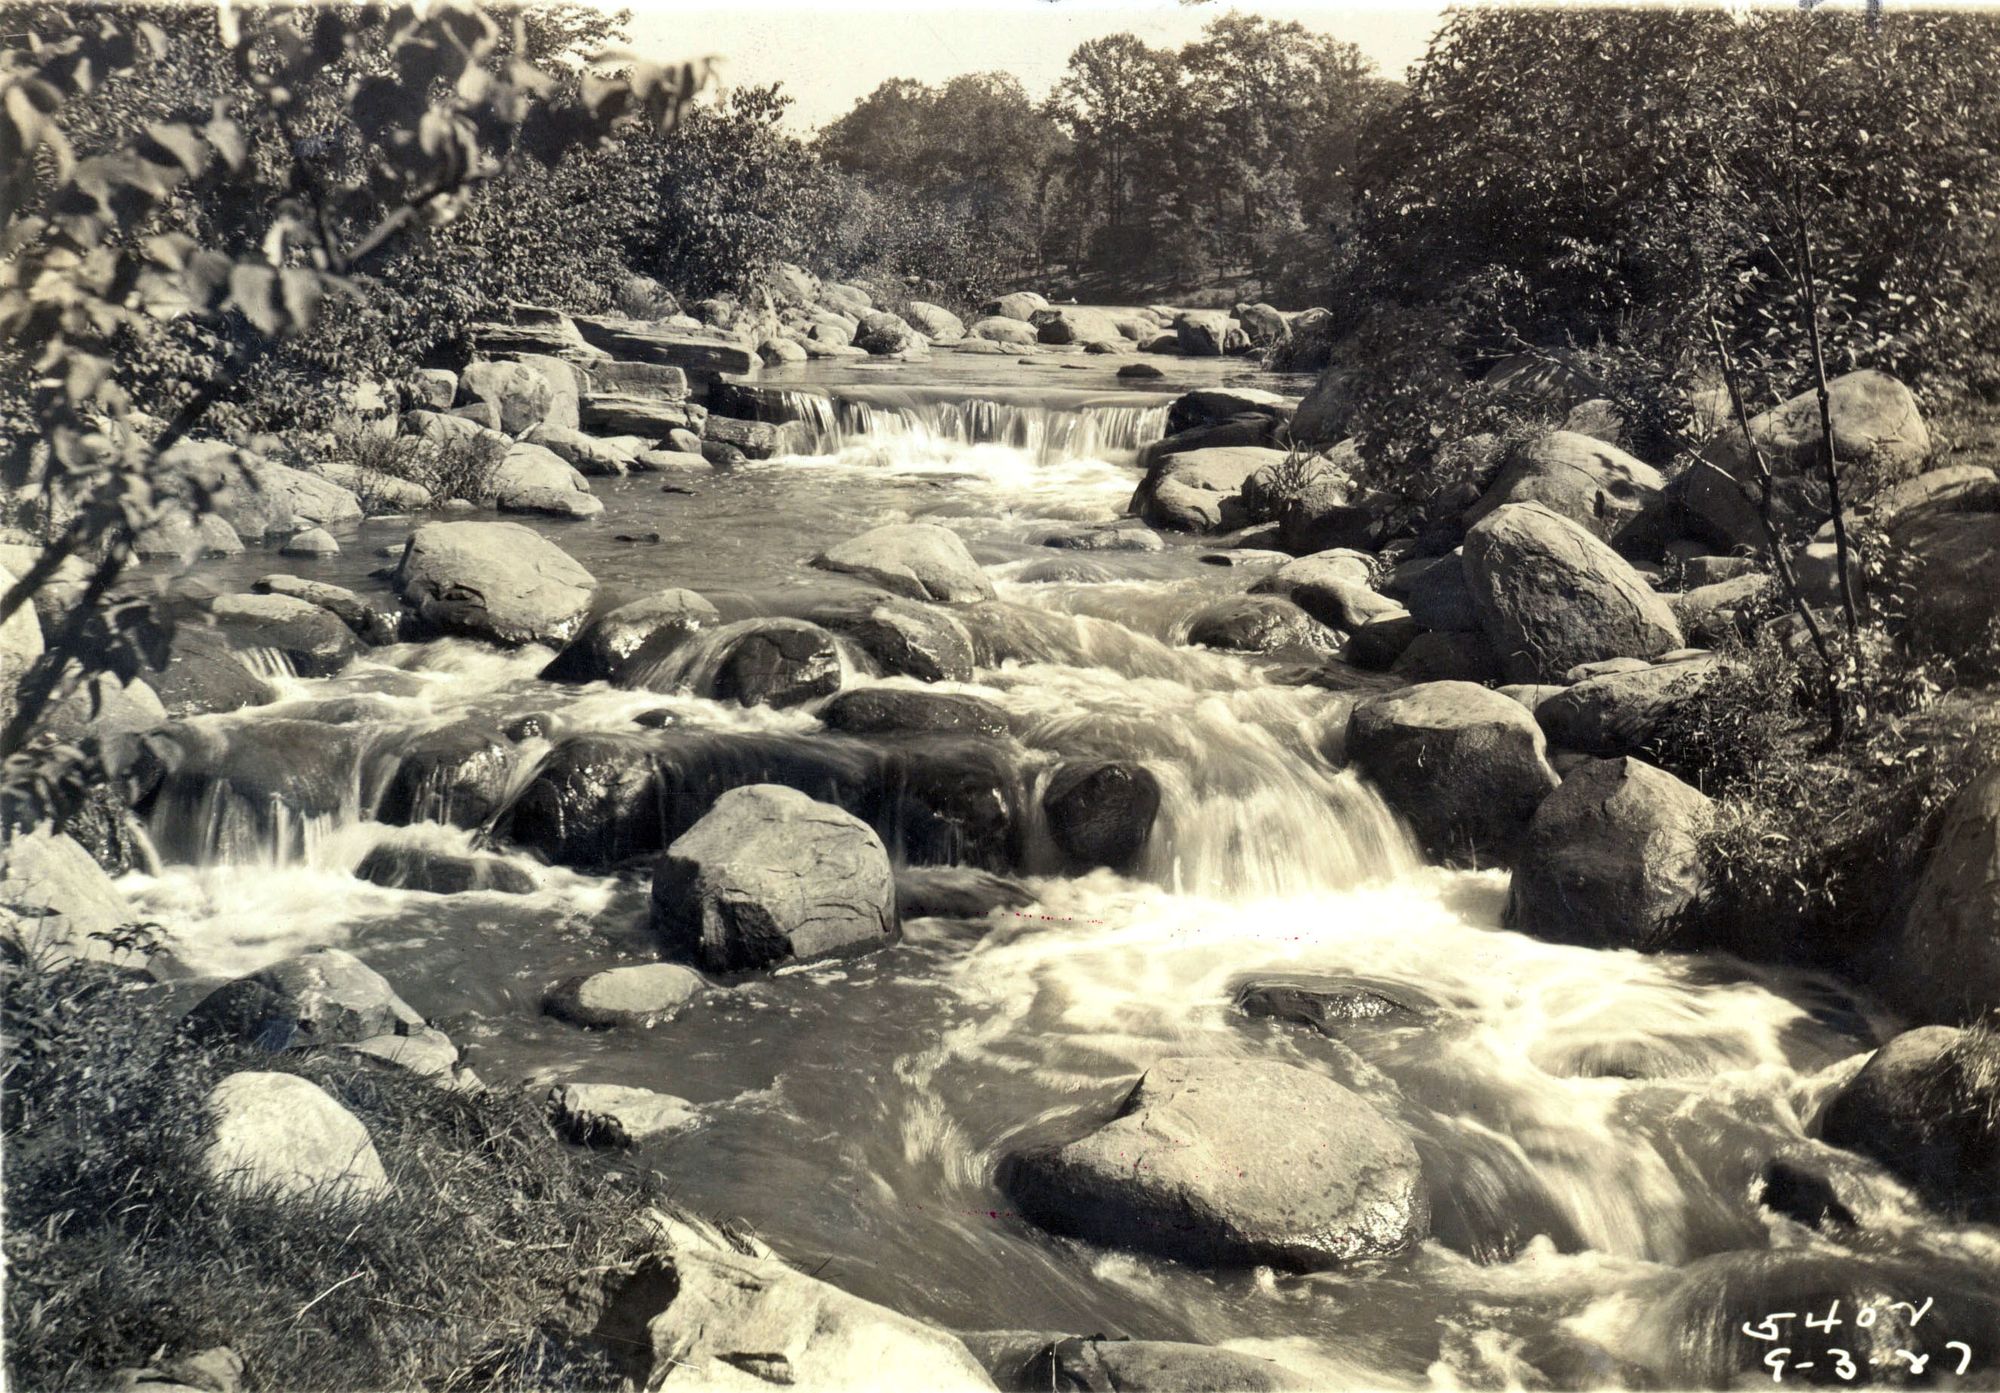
(327, 176)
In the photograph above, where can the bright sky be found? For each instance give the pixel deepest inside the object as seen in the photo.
(837, 51)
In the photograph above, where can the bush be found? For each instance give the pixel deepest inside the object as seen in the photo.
(447, 466)
(117, 1252)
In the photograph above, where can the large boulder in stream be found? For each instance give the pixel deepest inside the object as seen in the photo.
(770, 876)
(1201, 490)
(654, 625)
(753, 662)
(1101, 812)
(1260, 624)
(1942, 960)
(433, 872)
(1075, 324)
(1550, 595)
(1927, 1106)
(1464, 765)
(206, 674)
(1612, 858)
(1233, 1163)
(1620, 713)
(1208, 333)
(641, 995)
(905, 639)
(1005, 330)
(901, 711)
(918, 560)
(534, 479)
(497, 581)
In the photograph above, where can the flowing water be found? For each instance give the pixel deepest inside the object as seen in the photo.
(1593, 1124)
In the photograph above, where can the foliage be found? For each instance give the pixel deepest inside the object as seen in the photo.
(444, 465)
(340, 132)
(118, 1251)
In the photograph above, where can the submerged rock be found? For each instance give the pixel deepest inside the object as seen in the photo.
(901, 711)
(312, 641)
(1465, 765)
(442, 873)
(609, 1114)
(1260, 624)
(920, 561)
(1101, 812)
(1324, 1005)
(906, 639)
(770, 876)
(1612, 858)
(497, 581)
(204, 675)
(641, 995)
(278, 1136)
(770, 662)
(1234, 1163)
(367, 623)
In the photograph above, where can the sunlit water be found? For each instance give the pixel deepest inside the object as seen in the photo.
(1591, 1123)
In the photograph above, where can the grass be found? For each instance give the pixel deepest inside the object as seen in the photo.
(118, 1253)
(447, 467)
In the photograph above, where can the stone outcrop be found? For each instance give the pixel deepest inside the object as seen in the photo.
(922, 561)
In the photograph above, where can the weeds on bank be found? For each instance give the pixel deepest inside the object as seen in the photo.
(447, 467)
(117, 1252)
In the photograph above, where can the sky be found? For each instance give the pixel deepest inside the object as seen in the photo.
(833, 53)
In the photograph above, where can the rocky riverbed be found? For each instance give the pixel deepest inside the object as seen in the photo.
(1046, 856)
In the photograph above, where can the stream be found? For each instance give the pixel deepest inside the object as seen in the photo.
(1593, 1125)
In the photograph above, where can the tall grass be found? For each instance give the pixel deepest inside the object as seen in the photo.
(118, 1251)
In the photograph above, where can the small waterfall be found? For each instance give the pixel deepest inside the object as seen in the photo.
(1047, 431)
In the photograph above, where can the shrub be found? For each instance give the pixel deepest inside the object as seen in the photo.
(118, 1252)
(447, 466)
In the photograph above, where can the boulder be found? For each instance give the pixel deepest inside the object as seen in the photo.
(1108, 538)
(258, 497)
(497, 581)
(313, 542)
(1005, 330)
(457, 774)
(935, 322)
(1595, 485)
(882, 333)
(205, 674)
(1942, 961)
(1263, 325)
(751, 1323)
(769, 876)
(1619, 713)
(1331, 586)
(654, 626)
(1927, 1106)
(1447, 656)
(1435, 591)
(281, 1137)
(1207, 333)
(1073, 324)
(753, 662)
(20, 646)
(1464, 765)
(433, 389)
(920, 560)
(1377, 645)
(1233, 1163)
(534, 479)
(1948, 561)
(441, 872)
(904, 638)
(901, 711)
(756, 439)
(1324, 413)
(1549, 595)
(1020, 305)
(322, 997)
(595, 801)
(367, 623)
(587, 454)
(647, 416)
(179, 537)
(312, 640)
(1879, 434)
(701, 354)
(776, 350)
(524, 396)
(850, 300)
(1208, 406)
(1101, 812)
(1612, 858)
(57, 898)
(1725, 610)
(1200, 490)
(639, 996)
(609, 1114)
(1260, 624)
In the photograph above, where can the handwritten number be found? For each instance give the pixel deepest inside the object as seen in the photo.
(1769, 1329)
(1964, 1360)
(1843, 1365)
(1916, 1313)
(1775, 1362)
(1917, 1361)
(1832, 1318)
